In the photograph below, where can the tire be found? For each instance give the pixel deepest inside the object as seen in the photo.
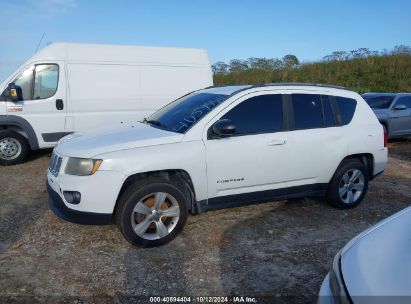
(348, 185)
(137, 210)
(14, 148)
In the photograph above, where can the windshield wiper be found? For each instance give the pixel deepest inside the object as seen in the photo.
(155, 122)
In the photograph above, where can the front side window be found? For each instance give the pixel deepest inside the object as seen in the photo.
(45, 81)
(183, 113)
(38, 82)
(406, 101)
(259, 114)
(25, 82)
(379, 101)
(307, 110)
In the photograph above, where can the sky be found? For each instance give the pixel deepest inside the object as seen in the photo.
(227, 29)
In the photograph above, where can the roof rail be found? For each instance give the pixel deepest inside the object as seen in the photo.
(282, 84)
(304, 84)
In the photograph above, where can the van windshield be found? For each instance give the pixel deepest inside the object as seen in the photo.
(181, 114)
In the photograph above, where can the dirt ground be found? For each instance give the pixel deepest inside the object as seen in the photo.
(281, 248)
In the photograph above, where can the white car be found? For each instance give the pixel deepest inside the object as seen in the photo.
(67, 87)
(214, 148)
(374, 267)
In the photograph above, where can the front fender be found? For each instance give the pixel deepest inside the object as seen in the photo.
(187, 156)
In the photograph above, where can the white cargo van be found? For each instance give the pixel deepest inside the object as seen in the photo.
(68, 87)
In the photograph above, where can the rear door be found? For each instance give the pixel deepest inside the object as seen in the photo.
(43, 102)
(401, 119)
(315, 141)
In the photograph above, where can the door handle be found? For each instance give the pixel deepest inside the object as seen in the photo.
(59, 104)
(276, 142)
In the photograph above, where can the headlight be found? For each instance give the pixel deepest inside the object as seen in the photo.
(82, 166)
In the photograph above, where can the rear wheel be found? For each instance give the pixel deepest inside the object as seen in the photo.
(14, 148)
(151, 212)
(349, 184)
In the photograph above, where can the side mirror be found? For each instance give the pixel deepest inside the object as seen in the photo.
(224, 128)
(14, 92)
(400, 107)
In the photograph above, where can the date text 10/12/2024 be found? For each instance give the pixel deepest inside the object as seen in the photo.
(232, 299)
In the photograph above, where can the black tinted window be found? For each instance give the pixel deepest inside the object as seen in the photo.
(346, 108)
(186, 111)
(328, 112)
(406, 101)
(379, 101)
(260, 114)
(307, 111)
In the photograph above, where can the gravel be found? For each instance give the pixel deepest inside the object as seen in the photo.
(282, 249)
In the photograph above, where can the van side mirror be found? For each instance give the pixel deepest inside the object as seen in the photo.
(223, 128)
(400, 107)
(14, 92)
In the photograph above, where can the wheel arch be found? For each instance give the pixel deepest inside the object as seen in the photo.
(366, 158)
(178, 176)
(12, 122)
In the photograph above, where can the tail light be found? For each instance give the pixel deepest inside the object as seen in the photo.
(385, 136)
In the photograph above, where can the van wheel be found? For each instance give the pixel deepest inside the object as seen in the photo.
(14, 148)
(151, 212)
(349, 184)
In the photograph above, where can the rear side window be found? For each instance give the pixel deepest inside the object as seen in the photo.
(329, 119)
(346, 107)
(307, 110)
(259, 114)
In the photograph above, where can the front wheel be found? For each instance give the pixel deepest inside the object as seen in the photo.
(14, 148)
(349, 184)
(151, 212)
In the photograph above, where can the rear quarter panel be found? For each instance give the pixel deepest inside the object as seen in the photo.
(366, 135)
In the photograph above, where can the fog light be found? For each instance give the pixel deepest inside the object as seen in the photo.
(72, 197)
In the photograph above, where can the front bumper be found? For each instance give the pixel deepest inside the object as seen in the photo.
(80, 217)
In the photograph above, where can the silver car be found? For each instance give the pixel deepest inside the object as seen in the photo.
(393, 111)
(374, 267)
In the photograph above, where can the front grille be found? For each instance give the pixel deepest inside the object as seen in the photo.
(55, 164)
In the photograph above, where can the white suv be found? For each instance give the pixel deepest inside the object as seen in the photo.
(215, 148)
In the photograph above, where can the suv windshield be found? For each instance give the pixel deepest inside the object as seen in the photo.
(379, 102)
(183, 113)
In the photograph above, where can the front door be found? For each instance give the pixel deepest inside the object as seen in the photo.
(43, 101)
(255, 158)
(401, 118)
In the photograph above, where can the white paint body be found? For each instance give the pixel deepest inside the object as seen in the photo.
(103, 85)
(266, 161)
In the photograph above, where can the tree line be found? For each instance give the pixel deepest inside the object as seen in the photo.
(362, 69)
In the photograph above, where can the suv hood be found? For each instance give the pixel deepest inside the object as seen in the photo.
(378, 261)
(126, 136)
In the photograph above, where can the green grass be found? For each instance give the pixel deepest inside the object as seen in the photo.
(363, 71)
